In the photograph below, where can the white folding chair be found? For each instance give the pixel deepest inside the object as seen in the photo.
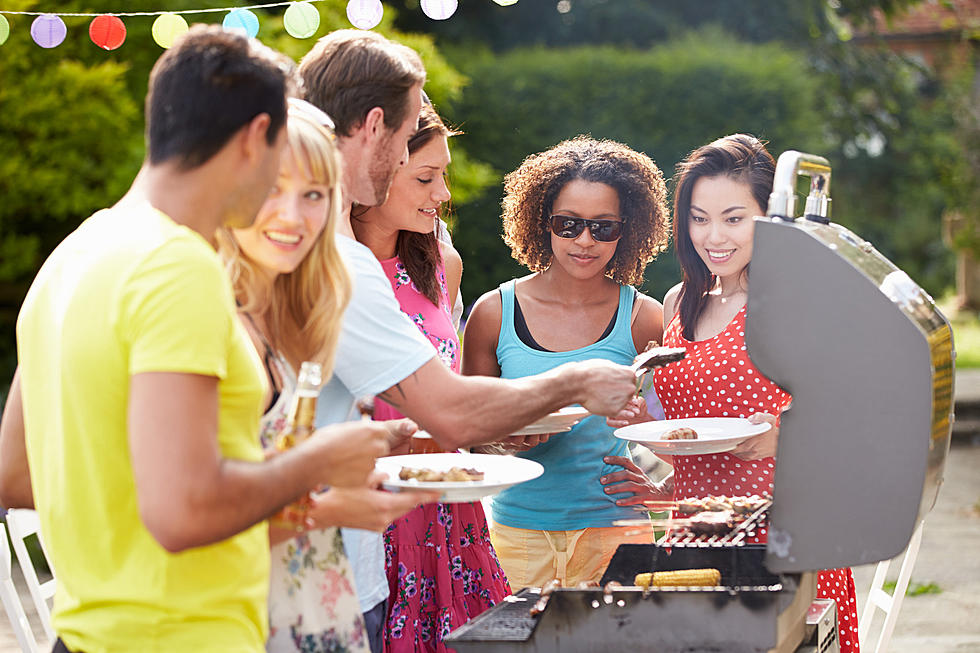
(890, 604)
(22, 524)
(11, 601)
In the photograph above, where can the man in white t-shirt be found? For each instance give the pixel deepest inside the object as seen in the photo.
(372, 88)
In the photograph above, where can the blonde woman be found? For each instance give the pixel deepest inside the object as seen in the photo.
(292, 287)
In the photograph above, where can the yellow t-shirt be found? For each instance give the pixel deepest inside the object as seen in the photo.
(131, 291)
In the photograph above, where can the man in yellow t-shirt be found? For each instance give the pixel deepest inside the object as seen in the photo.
(131, 423)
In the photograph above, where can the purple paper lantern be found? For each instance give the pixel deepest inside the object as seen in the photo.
(48, 30)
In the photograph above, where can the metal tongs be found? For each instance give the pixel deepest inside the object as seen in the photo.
(654, 357)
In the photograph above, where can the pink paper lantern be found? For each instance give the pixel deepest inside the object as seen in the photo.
(107, 31)
(48, 30)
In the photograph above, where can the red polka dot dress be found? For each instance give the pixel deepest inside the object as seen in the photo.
(717, 379)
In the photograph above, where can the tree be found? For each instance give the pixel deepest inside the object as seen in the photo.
(72, 134)
(664, 101)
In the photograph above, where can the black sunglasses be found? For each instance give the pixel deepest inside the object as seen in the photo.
(603, 231)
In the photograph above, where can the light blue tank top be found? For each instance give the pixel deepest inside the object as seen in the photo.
(568, 496)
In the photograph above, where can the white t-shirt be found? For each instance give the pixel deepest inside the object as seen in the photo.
(379, 346)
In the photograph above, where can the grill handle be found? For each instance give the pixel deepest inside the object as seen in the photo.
(782, 201)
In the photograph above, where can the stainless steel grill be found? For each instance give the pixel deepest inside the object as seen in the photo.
(869, 361)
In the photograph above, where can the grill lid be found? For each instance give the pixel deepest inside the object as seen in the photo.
(868, 359)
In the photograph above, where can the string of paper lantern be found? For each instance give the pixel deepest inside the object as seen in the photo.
(108, 31)
(301, 20)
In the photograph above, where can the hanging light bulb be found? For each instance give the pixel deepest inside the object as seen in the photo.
(439, 9)
(365, 14)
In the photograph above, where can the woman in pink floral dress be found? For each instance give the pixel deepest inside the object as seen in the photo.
(442, 570)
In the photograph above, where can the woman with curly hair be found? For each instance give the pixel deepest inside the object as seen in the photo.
(586, 217)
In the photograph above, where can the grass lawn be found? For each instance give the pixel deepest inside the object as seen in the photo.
(966, 335)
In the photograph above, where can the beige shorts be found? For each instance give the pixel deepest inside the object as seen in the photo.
(532, 558)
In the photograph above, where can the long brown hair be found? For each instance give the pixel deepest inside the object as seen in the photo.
(419, 252)
(741, 157)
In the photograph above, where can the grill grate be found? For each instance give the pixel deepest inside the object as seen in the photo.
(736, 537)
(508, 621)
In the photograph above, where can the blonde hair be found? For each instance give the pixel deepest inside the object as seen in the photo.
(304, 311)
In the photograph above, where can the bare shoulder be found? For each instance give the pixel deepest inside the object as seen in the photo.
(671, 302)
(487, 311)
(480, 336)
(648, 321)
(450, 257)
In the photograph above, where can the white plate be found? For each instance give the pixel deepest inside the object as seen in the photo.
(557, 422)
(499, 473)
(715, 434)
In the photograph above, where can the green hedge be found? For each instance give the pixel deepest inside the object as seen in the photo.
(665, 102)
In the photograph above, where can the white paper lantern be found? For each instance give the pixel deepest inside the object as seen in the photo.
(505, 3)
(365, 14)
(439, 9)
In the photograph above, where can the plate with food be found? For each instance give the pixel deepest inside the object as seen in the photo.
(556, 422)
(460, 477)
(693, 436)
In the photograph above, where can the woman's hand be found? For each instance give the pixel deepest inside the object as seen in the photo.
(634, 412)
(632, 479)
(369, 508)
(762, 445)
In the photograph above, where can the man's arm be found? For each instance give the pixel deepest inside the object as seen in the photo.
(462, 411)
(190, 495)
(15, 475)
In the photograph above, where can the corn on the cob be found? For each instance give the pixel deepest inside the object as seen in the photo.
(679, 578)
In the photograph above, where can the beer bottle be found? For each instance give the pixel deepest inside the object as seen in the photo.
(302, 410)
(299, 426)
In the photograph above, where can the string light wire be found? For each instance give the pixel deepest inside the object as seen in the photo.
(151, 13)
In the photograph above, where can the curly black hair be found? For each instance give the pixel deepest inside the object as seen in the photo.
(530, 191)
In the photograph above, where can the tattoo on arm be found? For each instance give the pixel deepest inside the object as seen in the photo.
(388, 395)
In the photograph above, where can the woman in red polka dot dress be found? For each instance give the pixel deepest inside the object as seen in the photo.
(721, 186)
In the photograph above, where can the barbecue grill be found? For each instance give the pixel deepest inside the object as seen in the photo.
(869, 361)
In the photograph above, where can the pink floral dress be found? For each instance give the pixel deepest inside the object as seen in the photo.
(717, 379)
(442, 569)
(313, 606)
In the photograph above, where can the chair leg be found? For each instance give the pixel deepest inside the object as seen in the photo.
(890, 604)
(904, 576)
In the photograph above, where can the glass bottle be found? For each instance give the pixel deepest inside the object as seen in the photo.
(299, 426)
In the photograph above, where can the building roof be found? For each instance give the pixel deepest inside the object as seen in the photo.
(953, 18)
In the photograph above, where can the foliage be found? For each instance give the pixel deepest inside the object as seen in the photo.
(966, 338)
(635, 23)
(914, 589)
(905, 145)
(898, 165)
(664, 101)
(72, 134)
